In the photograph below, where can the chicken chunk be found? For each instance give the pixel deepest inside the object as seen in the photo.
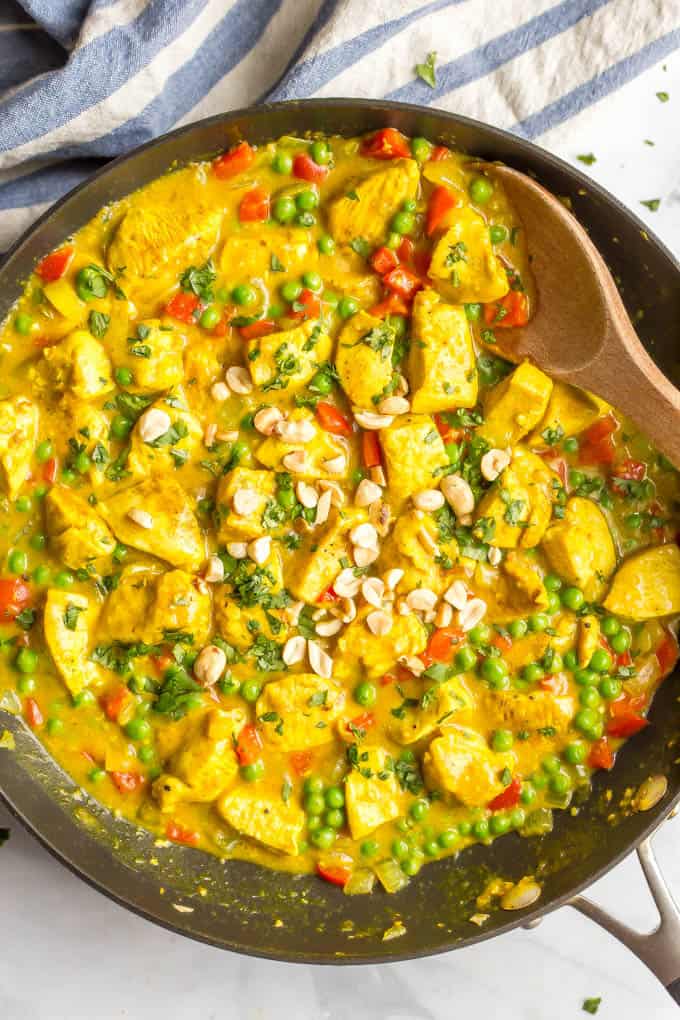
(580, 546)
(159, 361)
(409, 547)
(372, 794)
(515, 406)
(77, 533)
(441, 365)
(264, 817)
(247, 254)
(364, 359)
(205, 765)
(238, 485)
(516, 590)
(146, 605)
(647, 584)
(569, 412)
(324, 449)
(310, 574)
(463, 263)
(170, 451)
(68, 620)
(444, 704)
(288, 359)
(367, 205)
(18, 436)
(80, 366)
(297, 711)
(167, 528)
(250, 601)
(520, 502)
(460, 763)
(368, 656)
(414, 456)
(535, 710)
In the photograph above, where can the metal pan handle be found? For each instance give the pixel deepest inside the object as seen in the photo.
(660, 948)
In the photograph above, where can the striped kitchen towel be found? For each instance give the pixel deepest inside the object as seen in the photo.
(84, 80)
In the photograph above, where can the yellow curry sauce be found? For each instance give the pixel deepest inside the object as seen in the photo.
(295, 568)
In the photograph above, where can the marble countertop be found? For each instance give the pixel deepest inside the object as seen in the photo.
(68, 953)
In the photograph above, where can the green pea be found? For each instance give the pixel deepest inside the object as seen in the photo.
(464, 828)
(551, 764)
(538, 622)
(324, 838)
(479, 635)
(250, 689)
(419, 809)
(54, 726)
(369, 848)
(326, 244)
(315, 804)
(314, 823)
(600, 660)
(285, 209)
(400, 849)
(41, 490)
(138, 729)
(82, 463)
(560, 783)
(305, 219)
(584, 676)
(570, 445)
(393, 240)
(403, 222)
(146, 754)
(499, 824)
(412, 865)
(366, 694)
(532, 672)
(554, 603)
(518, 629)
(620, 642)
(498, 233)
(517, 817)
(96, 775)
(26, 684)
(480, 190)
(291, 290)
(589, 697)
(321, 382)
(480, 829)
(431, 847)
(610, 688)
(539, 781)
(307, 200)
(331, 298)
(251, 773)
(282, 163)
(41, 574)
(17, 561)
(38, 541)
(576, 478)
(502, 740)
(633, 521)
(120, 426)
(466, 659)
(26, 660)
(335, 818)
(334, 797)
(528, 794)
(63, 579)
(313, 784)
(573, 598)
(576, 753)
(84, 697)
(321, 152)
(24, 324)
(447, 838)
(421, 149)
(244, 294)
(210, 317)
(347, 307)
(552, 582)
(44, 451)
(275, 311)
(494, 669)
(473, 312)
(610, 626)
(571, 660)
(403, 824)
(123, 376)
(24, 504)
(313, 281)
(587, 720)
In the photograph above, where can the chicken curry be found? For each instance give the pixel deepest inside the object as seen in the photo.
(296, 568)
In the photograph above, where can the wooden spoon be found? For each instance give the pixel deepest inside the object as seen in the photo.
(580, 332)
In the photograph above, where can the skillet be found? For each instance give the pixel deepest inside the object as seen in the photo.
(241, 906)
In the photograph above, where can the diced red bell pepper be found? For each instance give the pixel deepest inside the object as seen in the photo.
(301, 761)
(383, 259)
(363, 721)
(306, 306)
(305, 169)
(34, 716)
(601, 755)
(127, 782)
(15, 595)
(161, 662)
(406, 249)
(512, 310)
(332, 420)
(623, 659)
(503, 642)
(334, 873)
(600, 429)
(391, 305)
(263, 327)
(403, 282)
(442, 645)
(509, 797)
(388, 143)
(49, 471)
(248, 745)
(370, 449)
(182, 306)
(234, 162)
(556, 464)
(328, 595)
(254, 206)
(114, 702)
(442, 201)
(222, 328)
(178, 834)
(53, 266)
(557, 685)
(633, 470)
(422, 259)
(387, 679)
(626, 716)
(439, 153)
(667, 654)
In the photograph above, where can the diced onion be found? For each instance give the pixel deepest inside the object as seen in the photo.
(360, 881)
(391, 876)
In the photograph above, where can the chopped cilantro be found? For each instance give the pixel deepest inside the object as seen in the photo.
(427, 71)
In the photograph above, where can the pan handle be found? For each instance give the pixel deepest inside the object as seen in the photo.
(660, 948)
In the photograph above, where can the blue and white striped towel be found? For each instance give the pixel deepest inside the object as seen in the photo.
(84, 80)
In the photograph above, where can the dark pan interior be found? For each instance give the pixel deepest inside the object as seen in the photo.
(249, 909)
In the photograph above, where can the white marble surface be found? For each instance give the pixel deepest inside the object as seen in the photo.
(70, 954)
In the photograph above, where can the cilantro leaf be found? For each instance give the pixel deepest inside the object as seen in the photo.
(427, 71)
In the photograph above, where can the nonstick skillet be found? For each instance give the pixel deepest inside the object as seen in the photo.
(248, 909)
